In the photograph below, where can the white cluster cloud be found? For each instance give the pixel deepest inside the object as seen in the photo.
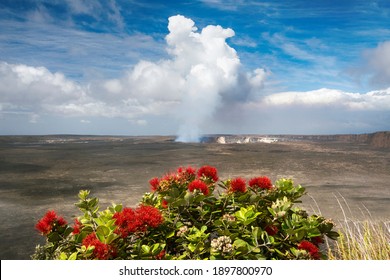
(378, 60)
(34, 89)
(373, 100)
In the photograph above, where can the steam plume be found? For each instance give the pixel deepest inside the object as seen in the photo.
(210, 73)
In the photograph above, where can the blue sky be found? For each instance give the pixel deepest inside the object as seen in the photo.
(193, 67)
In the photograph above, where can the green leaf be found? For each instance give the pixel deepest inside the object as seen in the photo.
(83, 205)
(189, 197)
(157, 248)
(191, 247)
(83, 194)
(54, 237)
(63, 256)
(111, 237)
(87, 229)
(73, 256)
(313, 233)
(101, 237)
(170, 234)
(179, 225)
(103, 230)
(100, 221)
(273, 213)
(67, 231)
(239, 244)
(240, 215)
(88, 250)
(332, 235)
(145, 249)
(174, 192)
(179, 202)
(300, 234)
(244, 197)
(93, 203)
(280, 253)
(255, 234)
(200, 197)
(118, 207)
(255, 250)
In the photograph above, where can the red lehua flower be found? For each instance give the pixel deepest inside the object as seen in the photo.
(168, 180)
(154, 182)
(149, 216)
(127, 221)
(271, 230)
(77, 226)
(160, 256)
(61, 221)
(171, 177)
(198, 185)
(317, 240)
(237, 185)
(261, 183)
(188, 170)
(310, 248)
(208, 172)
(101, 251)
(186, 174)
(164, 204)
(130, 221)
(49, 222)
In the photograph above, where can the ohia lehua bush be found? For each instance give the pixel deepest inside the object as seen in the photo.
(191, 214)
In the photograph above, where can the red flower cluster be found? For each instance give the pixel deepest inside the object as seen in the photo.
(149, 216)
(237, 185)
(77, 226)
(160, 256)
(154, 183)
(127, 222)
(187, 173)
(310, 248)
(317, 240)
(49, 223)
(208, 172)
(101, 251)
(198, 185)
(130, 221)
(271, 230)
(181, 176)
(261, 183)
(164, 204)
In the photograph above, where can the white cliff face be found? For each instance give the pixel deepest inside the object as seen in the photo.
(377, 139)
(244, 139)
(268, 140)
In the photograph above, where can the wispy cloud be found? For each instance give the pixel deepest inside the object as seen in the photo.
(230, 5)
(310, 49)
(304, 63)
(74, 52)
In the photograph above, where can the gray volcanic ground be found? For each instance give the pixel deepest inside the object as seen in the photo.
(38, 173)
